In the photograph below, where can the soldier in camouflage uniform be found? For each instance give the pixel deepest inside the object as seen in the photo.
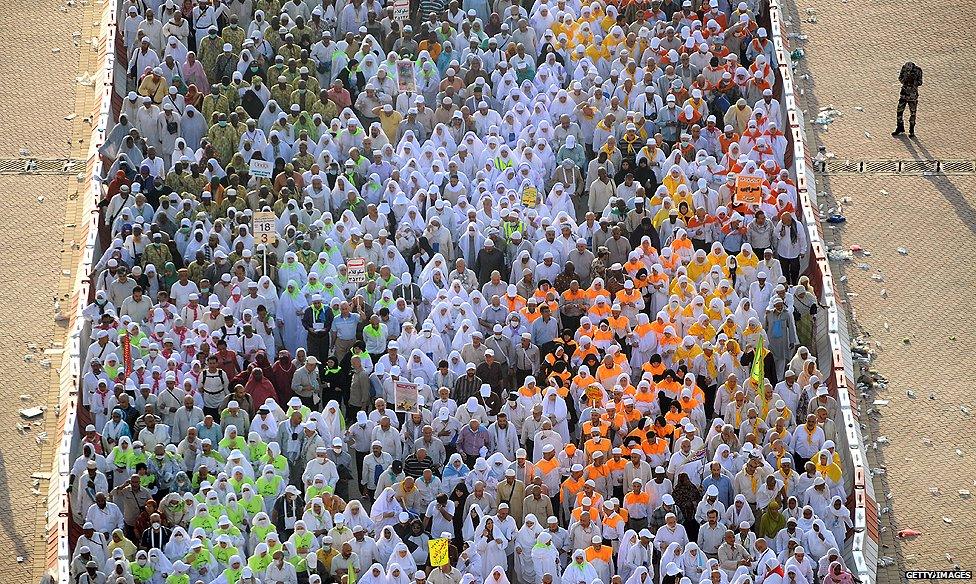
(910, 78)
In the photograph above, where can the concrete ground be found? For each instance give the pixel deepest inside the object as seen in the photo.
(854, 52)
(39, 63)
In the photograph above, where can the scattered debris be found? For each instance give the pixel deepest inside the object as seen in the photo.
(904, 533)
(29, 413)
(902, 251)
(881, 402)
(826, 116)
(912, 394)
(964, 493)
(948, 521)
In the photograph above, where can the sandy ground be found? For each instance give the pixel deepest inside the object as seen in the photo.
(854, 52)
(38, 67)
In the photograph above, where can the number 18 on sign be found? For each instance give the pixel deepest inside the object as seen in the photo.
(264, 231)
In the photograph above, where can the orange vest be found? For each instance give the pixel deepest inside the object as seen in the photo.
(616, 465)
(654, 370)
(570, 296)
(598, 313)
(593, 511)
(604, 554)
(571, 485)
(547, 466)
(612, 521)
(592, 446)
(632, 498)
(619, 324)
(604, 428)
(514, 304)
(602, 373)
(582, 352)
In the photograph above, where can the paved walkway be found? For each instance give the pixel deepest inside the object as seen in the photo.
(928, 291)
(39, 63)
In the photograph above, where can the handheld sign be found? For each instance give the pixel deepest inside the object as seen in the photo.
(406, 81)
(405, 396)
(356, 270)
(401, 10)
(530, 196)
(748, 190)
(438, 551)
(264, 227)
(260, 168)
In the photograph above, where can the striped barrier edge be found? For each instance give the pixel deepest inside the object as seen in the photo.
(60, 529)
(833, 339)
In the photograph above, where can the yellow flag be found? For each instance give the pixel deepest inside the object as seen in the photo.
(438, 551)
(756, 372)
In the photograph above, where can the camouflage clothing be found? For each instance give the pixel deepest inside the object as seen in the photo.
(234, 35)
(157, 254)
(224, 140)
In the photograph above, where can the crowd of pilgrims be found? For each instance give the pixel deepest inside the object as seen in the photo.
(574, 354)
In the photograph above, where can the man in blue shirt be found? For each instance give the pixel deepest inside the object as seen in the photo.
(345, 327)
(721, 482)
(545, 329)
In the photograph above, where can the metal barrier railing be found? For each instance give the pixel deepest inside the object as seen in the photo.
(861, 551)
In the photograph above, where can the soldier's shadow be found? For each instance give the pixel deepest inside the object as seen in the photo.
(944, 184)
